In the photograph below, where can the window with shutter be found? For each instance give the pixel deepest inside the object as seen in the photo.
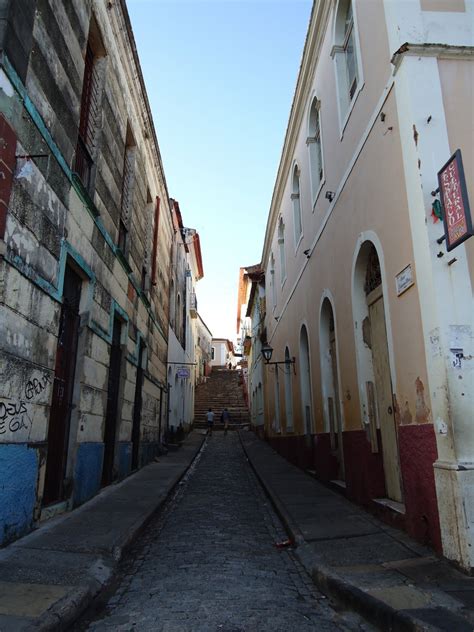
(128, 181)
(91, 104)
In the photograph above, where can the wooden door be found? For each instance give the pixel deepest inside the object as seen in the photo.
(336, 406)
(63, 386)
(137, 411)
(111, 415)
(383, 394)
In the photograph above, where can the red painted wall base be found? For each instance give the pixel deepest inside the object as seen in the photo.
(364, 474)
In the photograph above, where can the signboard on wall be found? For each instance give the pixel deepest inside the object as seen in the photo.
(183, 372)
(453, 193)
(404, 280)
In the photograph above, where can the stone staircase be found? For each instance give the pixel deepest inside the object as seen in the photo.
(223, 389)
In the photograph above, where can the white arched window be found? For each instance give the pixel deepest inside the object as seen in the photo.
(281, 247)
(295, 198)
(314, 147)
(288, 392)
(346, 55)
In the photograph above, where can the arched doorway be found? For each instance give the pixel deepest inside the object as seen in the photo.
(288, 392)
(305, 382)
(375, 364)
(330, 383)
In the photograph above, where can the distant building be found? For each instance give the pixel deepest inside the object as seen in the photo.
(187, 270)
(222, 353)
(251, 327)
(203, 340)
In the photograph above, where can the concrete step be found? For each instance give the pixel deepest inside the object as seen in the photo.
(223, 389)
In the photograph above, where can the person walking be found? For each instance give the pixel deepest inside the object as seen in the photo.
(225, 418)
(210, 421)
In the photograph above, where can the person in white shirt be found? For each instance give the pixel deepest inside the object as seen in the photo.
(210, 421)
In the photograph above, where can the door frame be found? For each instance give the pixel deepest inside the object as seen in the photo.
(65, 489)
(328, 374)
(392, 468)
(360, 311)
(115, 317)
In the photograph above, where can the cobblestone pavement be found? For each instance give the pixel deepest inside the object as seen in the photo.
(208, 562)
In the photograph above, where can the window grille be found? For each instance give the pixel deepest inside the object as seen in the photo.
(89, 118)
(373, 276)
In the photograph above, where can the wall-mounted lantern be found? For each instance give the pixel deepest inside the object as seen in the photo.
(267, 352)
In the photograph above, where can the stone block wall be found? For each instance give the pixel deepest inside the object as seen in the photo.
(49, 220)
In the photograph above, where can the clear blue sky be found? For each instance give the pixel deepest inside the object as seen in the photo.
(220, 77)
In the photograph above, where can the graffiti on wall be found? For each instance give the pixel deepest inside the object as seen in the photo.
(13, 417)
(16, 414)
(36, 387)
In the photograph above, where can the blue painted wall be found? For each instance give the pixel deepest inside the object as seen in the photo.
(125, 459)
(88, 473)
(18, 476)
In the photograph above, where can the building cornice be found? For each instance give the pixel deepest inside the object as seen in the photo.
(444, 51)
(314, 39)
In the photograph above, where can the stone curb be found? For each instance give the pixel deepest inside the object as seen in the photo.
(291, 527)
(65, 611)
(332, 585)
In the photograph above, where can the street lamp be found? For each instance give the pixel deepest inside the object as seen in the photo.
(267, 352)
(267, 356)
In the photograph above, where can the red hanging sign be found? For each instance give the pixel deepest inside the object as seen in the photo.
(456, 212)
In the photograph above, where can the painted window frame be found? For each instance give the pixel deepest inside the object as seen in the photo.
(338, 54)
(311, 141)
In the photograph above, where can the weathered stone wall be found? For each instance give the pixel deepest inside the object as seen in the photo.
(49, 221)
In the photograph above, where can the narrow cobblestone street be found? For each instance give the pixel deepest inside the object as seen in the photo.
(208, 562)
